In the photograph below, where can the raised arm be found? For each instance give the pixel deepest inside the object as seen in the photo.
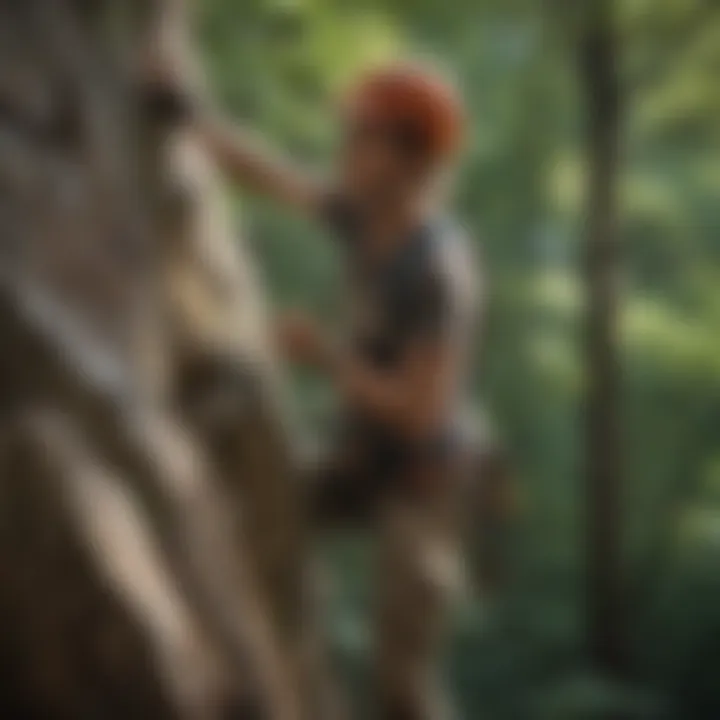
(176, 96)
(249, 162)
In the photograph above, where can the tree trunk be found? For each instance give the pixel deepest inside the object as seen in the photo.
(133, 317)
(603, 453)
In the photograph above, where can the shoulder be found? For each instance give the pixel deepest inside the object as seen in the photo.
(434, 285)
(452, 263)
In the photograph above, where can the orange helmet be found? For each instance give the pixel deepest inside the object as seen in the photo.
(415, 101)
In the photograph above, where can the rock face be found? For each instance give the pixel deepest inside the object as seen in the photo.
(140, 401)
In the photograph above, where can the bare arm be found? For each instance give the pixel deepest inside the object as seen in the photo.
(240, 153)
(253, 165)
(411, 398)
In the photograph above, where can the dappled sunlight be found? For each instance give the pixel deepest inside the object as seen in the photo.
(662, 339)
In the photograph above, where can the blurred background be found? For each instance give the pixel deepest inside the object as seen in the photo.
(528, 652)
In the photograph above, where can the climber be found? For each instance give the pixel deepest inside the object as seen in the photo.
(400, 374)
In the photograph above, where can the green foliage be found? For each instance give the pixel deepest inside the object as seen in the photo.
(278, 64)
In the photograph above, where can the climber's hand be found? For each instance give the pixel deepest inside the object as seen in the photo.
(300, 340)
(164, 89)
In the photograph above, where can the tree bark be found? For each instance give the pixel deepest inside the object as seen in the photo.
(108, 228)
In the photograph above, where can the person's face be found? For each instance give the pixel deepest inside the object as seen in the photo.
(373, 170)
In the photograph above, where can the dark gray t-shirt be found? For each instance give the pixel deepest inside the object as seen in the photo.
(425, 290)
